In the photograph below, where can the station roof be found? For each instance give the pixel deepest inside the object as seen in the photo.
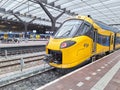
(107, 11)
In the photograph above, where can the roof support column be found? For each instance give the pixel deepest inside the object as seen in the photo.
(25, 28)
(25, 24)
(52, 18)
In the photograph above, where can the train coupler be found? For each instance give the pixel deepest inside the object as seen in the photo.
(48, 58)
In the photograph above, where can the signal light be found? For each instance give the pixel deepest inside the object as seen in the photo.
(63, 45)
(66, 44)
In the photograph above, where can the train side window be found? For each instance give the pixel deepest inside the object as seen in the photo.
(103, 40)
(85, 29)
(90, 32)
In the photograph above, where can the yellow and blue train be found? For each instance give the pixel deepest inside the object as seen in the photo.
(79, 39)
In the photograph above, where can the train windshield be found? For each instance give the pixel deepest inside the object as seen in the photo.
(68, 29)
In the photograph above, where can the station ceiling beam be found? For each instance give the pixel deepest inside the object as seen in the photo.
(118, 24)
(52, 18)
(25, 23)
(51, 4)
(9, 13)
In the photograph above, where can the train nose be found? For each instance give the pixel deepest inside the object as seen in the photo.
(57, 44)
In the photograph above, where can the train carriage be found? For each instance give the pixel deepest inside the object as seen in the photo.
(79, 39)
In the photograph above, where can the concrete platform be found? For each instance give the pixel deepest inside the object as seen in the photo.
(103, 74)
(23, 43)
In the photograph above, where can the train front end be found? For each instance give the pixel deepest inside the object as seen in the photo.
(65, 48)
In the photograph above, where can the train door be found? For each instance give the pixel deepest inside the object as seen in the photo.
(111, 42)
(89, 31)
(114, 41)
(94, 42)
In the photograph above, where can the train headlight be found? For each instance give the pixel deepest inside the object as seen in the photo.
(66, 44)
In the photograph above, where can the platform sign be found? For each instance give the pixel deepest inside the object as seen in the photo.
(37, 36)
(21, 35)
(31, 36)
(5, 36)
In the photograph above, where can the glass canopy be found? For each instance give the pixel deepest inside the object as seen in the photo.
(107, 11)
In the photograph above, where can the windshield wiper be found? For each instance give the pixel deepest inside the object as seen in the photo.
(66, 33)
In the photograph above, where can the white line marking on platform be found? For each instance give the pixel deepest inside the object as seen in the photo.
(102, 83)
(111, 61)
(94, 73)
(87, 78)
(102, 67)
(70, 89)
(80, 84)
(99, 70)
(105, 64)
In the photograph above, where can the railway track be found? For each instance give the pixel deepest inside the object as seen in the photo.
(46, 69)
(14, 62)
(7, 51)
